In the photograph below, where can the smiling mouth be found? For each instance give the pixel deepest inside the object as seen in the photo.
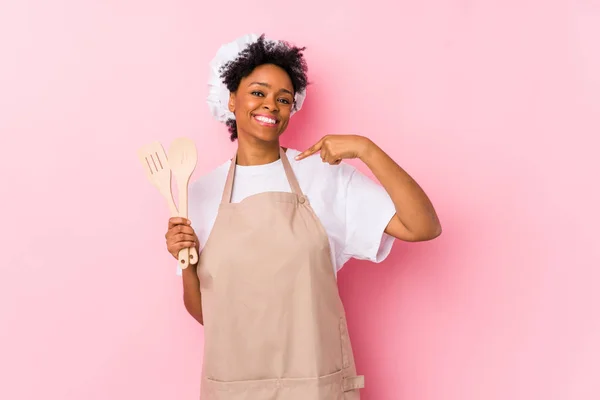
(264, 120)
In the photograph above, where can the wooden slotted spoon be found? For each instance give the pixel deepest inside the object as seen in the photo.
(154, 160)
(182, 160)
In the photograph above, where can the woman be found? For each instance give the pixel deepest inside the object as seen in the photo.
(274, 226)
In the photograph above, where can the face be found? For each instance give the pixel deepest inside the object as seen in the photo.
(263, 103)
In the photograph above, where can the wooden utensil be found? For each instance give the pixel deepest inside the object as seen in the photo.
(182, 160)
(154, 160)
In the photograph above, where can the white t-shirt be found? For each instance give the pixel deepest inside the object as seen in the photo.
(353, 209)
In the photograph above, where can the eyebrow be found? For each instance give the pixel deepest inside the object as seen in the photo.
(269, 86)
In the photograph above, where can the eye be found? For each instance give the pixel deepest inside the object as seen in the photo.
(257, 93)
(285, 101)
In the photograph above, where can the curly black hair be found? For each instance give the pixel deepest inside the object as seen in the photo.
(280, 53)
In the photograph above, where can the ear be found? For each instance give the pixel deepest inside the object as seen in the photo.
(232, 102)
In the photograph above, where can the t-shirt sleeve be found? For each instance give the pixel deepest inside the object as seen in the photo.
(369, 210)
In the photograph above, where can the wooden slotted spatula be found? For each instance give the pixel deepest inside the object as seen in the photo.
(182, 160)
(154, 160)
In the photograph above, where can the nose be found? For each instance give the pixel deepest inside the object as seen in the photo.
(270, 104)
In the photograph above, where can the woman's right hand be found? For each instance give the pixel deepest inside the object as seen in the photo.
(180, 235)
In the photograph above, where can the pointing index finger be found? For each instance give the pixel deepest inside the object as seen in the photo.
(311, 150)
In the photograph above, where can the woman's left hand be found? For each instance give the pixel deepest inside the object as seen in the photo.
(335, 148)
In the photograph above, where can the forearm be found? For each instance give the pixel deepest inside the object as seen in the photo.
(413, 208)
(192, 298)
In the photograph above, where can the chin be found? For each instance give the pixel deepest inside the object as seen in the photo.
(266, 136)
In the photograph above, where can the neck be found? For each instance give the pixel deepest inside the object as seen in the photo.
(256, 153)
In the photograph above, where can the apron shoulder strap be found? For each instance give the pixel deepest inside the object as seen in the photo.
(229, 181)
(291, 177)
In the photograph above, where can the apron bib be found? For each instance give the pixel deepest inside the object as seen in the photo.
(274, 324)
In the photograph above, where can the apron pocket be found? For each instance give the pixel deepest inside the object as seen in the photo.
(327, 387)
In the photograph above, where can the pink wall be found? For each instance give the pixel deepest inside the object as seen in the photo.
(492, 105)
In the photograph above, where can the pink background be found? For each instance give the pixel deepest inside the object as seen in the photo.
(493, 106)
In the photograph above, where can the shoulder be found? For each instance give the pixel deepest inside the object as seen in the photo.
(210, 183)
(204, 197)
(204, 194)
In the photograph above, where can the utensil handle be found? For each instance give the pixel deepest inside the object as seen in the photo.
(193, 256)
(187, 257)
(182, 185)
(184, 254)
(171, 204)
(184, 258)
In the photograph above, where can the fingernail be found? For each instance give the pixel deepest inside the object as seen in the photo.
(188, 222)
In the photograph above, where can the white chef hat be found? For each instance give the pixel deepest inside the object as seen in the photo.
(218, 94)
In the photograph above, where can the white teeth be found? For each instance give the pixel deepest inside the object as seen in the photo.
(265, 119)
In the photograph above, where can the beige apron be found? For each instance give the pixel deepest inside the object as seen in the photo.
(274, 324)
